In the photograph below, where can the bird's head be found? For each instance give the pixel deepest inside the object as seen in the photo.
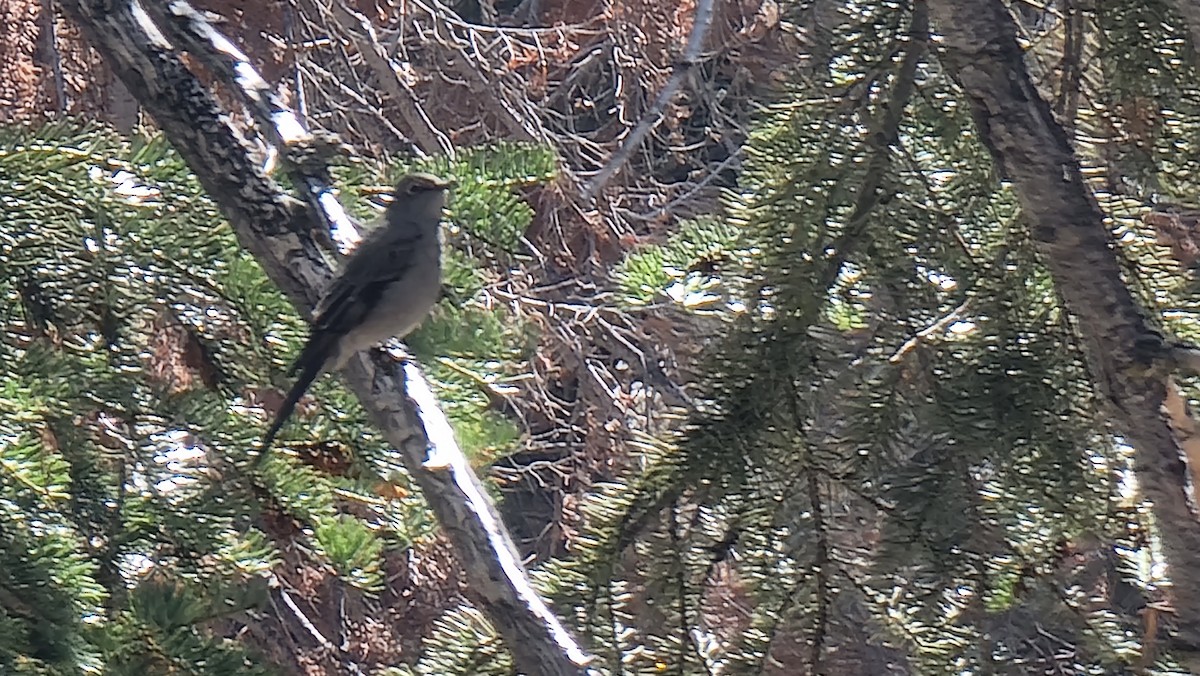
(416, 183)
(420, 196)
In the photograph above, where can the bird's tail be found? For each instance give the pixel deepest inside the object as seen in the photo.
(319, 348)
(308, 365)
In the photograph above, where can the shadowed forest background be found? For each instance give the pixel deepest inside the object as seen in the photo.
(788, 337)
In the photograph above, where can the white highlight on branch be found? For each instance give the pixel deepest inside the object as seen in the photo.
(444, 454)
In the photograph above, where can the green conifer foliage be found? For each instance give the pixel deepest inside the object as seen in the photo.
(901, 465)
(139, 343)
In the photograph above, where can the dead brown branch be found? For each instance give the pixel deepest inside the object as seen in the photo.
(701, 22)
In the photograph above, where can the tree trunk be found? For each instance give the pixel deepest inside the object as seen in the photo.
(1032, 151)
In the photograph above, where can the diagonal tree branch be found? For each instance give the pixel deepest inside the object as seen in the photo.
(885, 136)
(278, 229)
(430, 139)
(701, 22)
(1029, 146)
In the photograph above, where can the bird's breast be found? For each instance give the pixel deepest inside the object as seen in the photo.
(400, 309)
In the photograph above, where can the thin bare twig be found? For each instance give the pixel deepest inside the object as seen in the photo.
(348, 664)
(701, 22)
(50, 41)
(431, 140)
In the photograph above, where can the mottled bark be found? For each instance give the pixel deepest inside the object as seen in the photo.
(278, 230)
(1190, 11)
(979, 50)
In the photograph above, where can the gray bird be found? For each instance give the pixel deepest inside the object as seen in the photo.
(384, 290)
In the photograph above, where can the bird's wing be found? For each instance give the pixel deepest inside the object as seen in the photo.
(372, 268)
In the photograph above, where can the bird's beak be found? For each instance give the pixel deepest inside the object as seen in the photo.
(447, 183)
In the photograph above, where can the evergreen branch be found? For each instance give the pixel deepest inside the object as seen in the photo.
(936, 200)
(777, 625)
(279, 234)
(16, 472)
(494, 397)
(1190, 11)
(1031, 149)
(886, 135)
(936, 327)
